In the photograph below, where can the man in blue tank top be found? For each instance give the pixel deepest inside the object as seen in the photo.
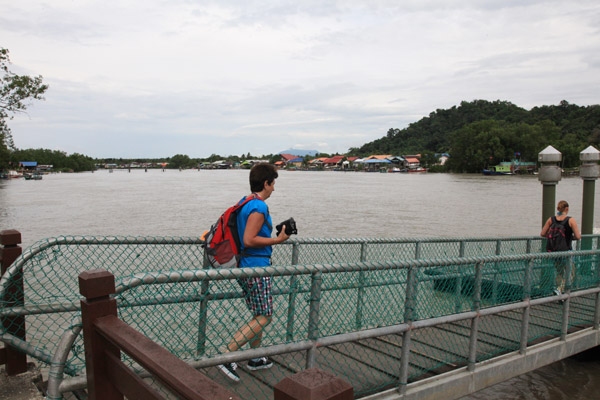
(255, 228)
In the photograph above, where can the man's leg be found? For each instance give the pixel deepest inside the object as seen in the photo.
(560, 275)
(257, 293)
(251, 332)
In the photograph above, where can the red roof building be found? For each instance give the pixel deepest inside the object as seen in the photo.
(288, 157)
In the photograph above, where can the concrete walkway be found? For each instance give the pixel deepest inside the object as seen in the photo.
(22, 386)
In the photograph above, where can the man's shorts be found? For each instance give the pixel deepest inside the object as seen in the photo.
(257, 293)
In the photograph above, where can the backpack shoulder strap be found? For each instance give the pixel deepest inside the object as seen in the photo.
(568, 224)
(242, 203)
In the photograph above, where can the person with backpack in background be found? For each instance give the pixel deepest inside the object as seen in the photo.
(254, 226)
(559, 231)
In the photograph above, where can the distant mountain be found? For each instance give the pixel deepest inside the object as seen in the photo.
(300, 153)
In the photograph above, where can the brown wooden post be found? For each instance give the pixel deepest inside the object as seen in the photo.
(96, 286)
(313, 384)
(16, 361)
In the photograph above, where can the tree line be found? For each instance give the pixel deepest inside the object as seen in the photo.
(482, 133)
(59, 160)
(476, 134)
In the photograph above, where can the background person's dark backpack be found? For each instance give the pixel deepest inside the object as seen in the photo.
(557, 235)
(222, 242)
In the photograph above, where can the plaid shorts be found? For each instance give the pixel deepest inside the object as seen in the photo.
(257, 293)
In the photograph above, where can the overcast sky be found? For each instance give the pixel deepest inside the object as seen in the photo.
(154, 78)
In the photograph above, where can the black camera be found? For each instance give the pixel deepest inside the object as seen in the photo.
(290, 227)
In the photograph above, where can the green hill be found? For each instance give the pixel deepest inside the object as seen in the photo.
(481, 132)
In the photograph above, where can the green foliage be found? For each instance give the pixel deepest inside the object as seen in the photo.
(428, 159)
(181, 161)
(485, 143)
(16, 94)
(59, 160)
(438, 168)
(274, 158)
(482, 133)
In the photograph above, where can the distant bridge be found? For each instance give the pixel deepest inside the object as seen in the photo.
(397, 318)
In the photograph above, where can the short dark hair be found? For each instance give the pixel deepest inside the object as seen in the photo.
(261, 173)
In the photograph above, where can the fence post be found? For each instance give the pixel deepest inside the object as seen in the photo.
(203, 313)
(409, 307)
(417, 250)
(526, 310)
(597, 283)
(16, 362)
(313, 317)
(459, 281)
(496, 273)
(475, 321)
(289, 332)
(566, 305)
(361, 288)
(313, 383)
(96, 286)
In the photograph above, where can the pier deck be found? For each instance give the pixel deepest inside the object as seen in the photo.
(373, 365)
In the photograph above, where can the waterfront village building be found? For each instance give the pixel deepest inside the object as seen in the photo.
(412, 162)
(370, 163)
(335, 162)
(249, 163)
(290, 160)
(443, 158)
(375, 162)
(379, 157)
(316, 163)
(28, 165)
(288, 157)
(339, 162)
(221, 164)
(296, 162)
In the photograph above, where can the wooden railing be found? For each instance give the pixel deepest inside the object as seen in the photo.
(105, 336)
(15, 361)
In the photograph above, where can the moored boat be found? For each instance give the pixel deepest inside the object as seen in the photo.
(14, 174)
(511, 168)
(35, 176)
(499, 170)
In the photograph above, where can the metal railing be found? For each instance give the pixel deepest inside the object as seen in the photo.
(307, 286)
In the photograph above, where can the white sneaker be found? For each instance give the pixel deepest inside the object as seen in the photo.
(262, 363)
(229, 371)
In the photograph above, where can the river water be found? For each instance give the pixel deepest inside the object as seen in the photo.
(324, 204)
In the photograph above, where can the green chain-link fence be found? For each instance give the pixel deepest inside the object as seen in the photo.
(323, 288)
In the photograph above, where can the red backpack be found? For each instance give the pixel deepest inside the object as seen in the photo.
(222, 242)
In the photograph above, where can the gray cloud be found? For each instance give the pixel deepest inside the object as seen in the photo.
(157, 78)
